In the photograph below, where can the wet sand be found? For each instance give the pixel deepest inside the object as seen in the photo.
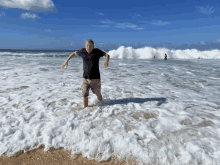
(54, 156)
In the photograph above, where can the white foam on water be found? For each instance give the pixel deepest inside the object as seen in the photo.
(156, 111)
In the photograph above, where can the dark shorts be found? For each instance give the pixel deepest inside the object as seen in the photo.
(94, 84)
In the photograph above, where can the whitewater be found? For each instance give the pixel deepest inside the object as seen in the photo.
(154, 112)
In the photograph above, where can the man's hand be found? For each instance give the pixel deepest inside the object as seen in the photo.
(65, 64)
(107, 59)
(105, 64)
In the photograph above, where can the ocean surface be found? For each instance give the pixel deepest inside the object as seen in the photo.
(155, 111)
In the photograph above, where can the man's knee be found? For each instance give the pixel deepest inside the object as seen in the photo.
(85, 95)
(85, 92)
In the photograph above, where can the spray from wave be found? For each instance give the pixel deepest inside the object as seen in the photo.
(149, 52)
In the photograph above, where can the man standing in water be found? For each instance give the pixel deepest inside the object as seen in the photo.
(165, 57)
(91, 74)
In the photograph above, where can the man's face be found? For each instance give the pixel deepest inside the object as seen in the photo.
(89, 47)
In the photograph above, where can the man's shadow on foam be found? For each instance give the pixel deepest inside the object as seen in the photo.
(134, 100)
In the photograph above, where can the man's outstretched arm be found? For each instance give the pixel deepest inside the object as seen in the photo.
(66, 62)
(107, 60)
(71, 56)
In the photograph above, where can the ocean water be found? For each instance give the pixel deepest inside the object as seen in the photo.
(155, 111)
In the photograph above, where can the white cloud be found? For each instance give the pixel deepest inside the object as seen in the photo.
(218, 40)
(160, 23)
(139, 28)
(100, 14)
(29, 15)
(206, 10)
(124, 25)
(104, 26)
(2, 14)
(100, 25)
(143, 21)
(132, 26)
(27, 4)
(48, 30)
(202, 42)
(128, 25)
(136, 15)
(107, 22)
(118, 25)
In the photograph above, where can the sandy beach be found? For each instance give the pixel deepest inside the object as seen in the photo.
(55, 156)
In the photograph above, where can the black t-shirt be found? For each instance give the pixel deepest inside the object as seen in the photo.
(91, 62)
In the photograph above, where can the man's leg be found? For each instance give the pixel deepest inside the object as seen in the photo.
(85, 101)
(96, 88)
(99, 98)
(85, 92)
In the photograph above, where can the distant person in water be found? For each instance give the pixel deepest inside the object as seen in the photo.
(91, 74)
(165, 57)
(154, 57)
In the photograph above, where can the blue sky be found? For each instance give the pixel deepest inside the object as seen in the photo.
(47, 24)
